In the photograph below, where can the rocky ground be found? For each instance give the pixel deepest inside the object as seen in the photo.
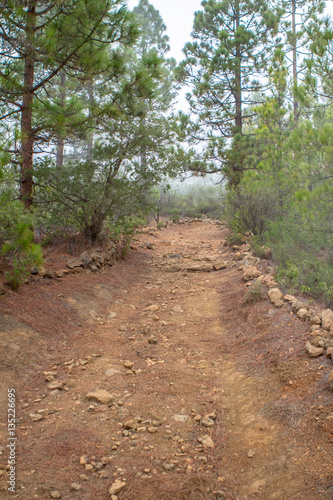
(154, 378)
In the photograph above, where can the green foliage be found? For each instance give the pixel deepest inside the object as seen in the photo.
(234, 238)
(224, 67)
(174, 214)
(252, 207)
(255, 293)
(23, 252)
(310, 275)
(123, 229)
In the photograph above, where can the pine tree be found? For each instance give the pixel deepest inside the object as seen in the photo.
(225, 66)
(153, 30)
(297, 17)
(40, 40)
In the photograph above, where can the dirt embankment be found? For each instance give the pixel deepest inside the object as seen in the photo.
(194, 394)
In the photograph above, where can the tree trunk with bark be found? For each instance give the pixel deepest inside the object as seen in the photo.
(294, 49)
(60, 139)
(26, 180)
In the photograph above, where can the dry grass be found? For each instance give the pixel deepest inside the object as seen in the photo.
(176, 487)
(288, 411)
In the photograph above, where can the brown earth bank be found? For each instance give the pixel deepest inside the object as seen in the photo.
(155, 379)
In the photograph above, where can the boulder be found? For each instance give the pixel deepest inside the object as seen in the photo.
(312, 351)
(132, 424)
(302, 314)
(101, 396)
(97, 257)
(327, 319)
(315, 318)
(110, 254)
(93, 267)
(266, 253)
(219, 266)
(237, 256)
(275, 296)
(268, 279)
(250, 273)
(297, 305)
(85, 258)
(206, 441)
(55, 385)
(289, 299)
(116, 487)
(73, 263)
(205, 268)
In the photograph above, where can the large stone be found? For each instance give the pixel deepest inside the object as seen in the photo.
(237, 256)
(101, 396)
(116, 487)
(219, 266)
(315, 318)
(289, 299)
(275, 296)
(55, 385)
(73, 263)
(327, 319)
(250, 273)
(97, 257)
(312, 351)
(302, 314)
(206, 441)
(110, 254)
(297, 305)
(207, 422)
(204, 268)
(266, 253)
(85, 258)
(132, 424)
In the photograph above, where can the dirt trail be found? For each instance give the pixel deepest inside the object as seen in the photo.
(212, 398)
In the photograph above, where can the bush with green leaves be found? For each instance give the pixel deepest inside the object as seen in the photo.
(23, 254)
(252, 207)
(174, 214)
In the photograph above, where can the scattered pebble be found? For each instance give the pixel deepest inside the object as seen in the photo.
(116, 487)
(55, 494)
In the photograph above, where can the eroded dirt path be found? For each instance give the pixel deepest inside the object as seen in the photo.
(212, 398)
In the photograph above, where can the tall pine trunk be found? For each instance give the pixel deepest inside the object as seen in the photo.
(294, 48)
(238, 80)
(90, 138)
(26, 180)
(60, 139)
(237, 161)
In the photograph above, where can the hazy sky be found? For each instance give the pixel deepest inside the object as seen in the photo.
(178, 16)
